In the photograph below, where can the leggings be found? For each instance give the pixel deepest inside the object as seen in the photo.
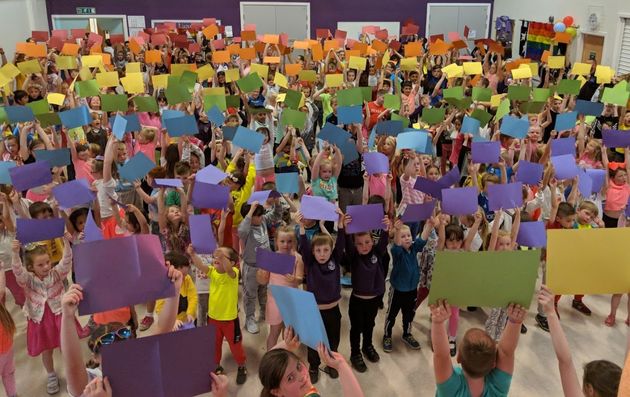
(332, 323)
(453, 321)
(610, 222)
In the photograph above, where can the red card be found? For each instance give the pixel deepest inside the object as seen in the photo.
(94, 38)
(55, 42)
(78, 33)
(395, 45)
(370, 29)
(322, 33)
(158, 39)
(142, 37)
(180, 41)
(209, 21)
(340, 34)
(39, 36)
(466, 31)
(453, 36)
(410, 29)
(284, 39)
(250, 26)
(435, 37)
(61, 33)
(116, 38)
(194, 48)
(381, 34)
(196, 27)
(218, 44)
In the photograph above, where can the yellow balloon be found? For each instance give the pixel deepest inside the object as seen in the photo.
(571, 31)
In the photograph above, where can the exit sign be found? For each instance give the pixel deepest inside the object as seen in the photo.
(86, 10)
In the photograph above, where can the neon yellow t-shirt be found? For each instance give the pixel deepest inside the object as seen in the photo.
(223, 295)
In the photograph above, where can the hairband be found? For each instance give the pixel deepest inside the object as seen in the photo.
(614, 166)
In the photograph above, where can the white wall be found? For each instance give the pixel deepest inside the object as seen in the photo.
(18, 18)
(610, 12)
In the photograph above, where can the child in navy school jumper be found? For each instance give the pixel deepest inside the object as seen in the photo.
(368, 286)
(322, 263)
(404, 281)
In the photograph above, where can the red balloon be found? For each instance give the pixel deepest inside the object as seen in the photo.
(568, 21)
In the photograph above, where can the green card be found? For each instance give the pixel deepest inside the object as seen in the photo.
(541, 94)
(307, 75)
(502, 110)
(177, 93)
(256, 110)
(146, 104)
(392, 102)
(3, 115)
(405, 120)
(188, 79)
(433, 115)
(87, 88)
(250, 83)
(233, 101)
(617, 95)
(65, 62)
(293, 99)
(568, 87)
(350, 97)
(461, 104)
(113, 102)
(532, 107)
(211, 100)
(481, 115)
(481, 94)
(39, 107)
(485, 278)
(367, 93)
(518, 93)
(294, 118)
(48, 119)
(454, 92)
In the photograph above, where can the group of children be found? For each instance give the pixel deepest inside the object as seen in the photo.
(396, 260)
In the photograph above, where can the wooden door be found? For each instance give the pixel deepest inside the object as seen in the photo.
(592, 47)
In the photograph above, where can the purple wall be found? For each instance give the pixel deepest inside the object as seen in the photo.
(324, 13)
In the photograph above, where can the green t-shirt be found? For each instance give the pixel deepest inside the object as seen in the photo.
(172, 198)
(327, 107)
(497, 384)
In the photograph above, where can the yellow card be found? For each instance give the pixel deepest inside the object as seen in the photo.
(160, 80)
(31, 66)
(85, 74)
(357, 63)
(574, 267)
(107, 79)
(71, 87)
(522, 73)
(133, 67)
(533, 66)
(178, 68)
(280, 80)
(214, 91)
(583, 69)
(133, 83)
(232, 75)
(556, 62)
(385, 58)
(582, 80)
(205, 73)
(262, 70)
(495, 100)
(408, 63)
(604, 74)
(92, 61)
(55, 98)
(65, 62)
(281, 97)
(453, 70)
(472, 68)
(334, 80)
(10, 70)
(4, 80)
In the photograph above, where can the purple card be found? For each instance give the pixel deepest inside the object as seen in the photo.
(459, 201)
(31, 175)
(432, 188)
(562, 146)
(210, 174)
(532, 234)
(365, 218)
(616, 138)
(91, 231)
(486, 152)
(138, 367)
(376, 163)
(505, 196)
(585, 183)
(168, 182)
(31, 230)
(418, 212)
(131, 266)
(598, 177)
(202, 234)
(529, 173)
(450, 178)
(565, 166)
(262, 195)
(205, 195)
(318, 208)
(514, 127)
(275, 262)
(73, 193)
(627, 210)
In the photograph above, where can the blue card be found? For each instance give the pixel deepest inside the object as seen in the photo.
(133, 122)
(299, 310)
(287, 182)
(119, 127)
(598, 177)
(228, 132)
(76, 117)
(215, 115)
(350, 114)
(565, 121)
(248, 139)
(389, 127)
(56, 157)
(333, 134)
(415, 140)
(514, 127)
(372, 139)
(170, 113)
(73, 193)
(585, 183)
(136, 168)
(19, 114)
(5, 178)
(470, 125)
(184, 125)
(589, 108)
(349, 151)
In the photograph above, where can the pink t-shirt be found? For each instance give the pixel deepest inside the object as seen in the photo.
(616, 196)
(148, 121)
(377, 185)
(148, 149)
(83, 169)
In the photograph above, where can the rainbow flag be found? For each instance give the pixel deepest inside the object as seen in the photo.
(539, 38)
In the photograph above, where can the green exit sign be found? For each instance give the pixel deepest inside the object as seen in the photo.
(86, 10)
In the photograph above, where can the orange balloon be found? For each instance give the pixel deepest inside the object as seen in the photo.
(568, 21)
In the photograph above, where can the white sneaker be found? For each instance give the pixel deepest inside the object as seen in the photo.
(52, 385)
(251, 326)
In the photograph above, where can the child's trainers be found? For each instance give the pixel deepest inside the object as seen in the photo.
(52, 384)
(581, 307)
(371, 354)
(387, 344)
(146, 323)
(241, 375)
(411, 342)
(313, 373)
(542, 322)
(219, 370)
(523, 329)
(358, 363)
(453, 345)
(251, 326)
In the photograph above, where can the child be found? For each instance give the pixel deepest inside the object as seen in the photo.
(285, 244)
(146, 142)
(81, 159)
(7, 235)
(617, 188)
(326, 173)
(241, 185)
(486, 367)
(7, 330)
(39, 279)
(253, 233)
(587, 215)
(187, 310)
(412, 168)
(404, 281)
(105, 185)
(322, 262)
(223, 305)
(173, 222)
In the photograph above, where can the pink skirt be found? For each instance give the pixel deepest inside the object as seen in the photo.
(272, 313)
(44, 335)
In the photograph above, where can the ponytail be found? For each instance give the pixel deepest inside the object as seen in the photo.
(6, 320)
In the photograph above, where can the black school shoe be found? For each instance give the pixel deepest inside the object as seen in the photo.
(411, 342)
(358, 363)
(453, 346)
(313, 373)
(241, 375)
(542, 322)
(523, 329)
(333, 373)
(388, 345)
(371, 354)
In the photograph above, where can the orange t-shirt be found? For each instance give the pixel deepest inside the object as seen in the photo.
(6, 340)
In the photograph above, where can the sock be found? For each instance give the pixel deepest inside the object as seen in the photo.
(452, 339)
(52, 374)
(149, 314)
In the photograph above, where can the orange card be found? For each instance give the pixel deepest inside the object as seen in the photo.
(248, 35)
(352, 53)
(21, 47)
(96, 49)
(134, 46)
(292, 69)
(259, 46)
(248, 53)
(413, 49)
(331, 45)
(221, 57)
(271, 39)
(301, 45)
(234, 49)
(496, 47)
(107, 58)
(563, 37)
(545, 56)
(361, 47)
(151, 56)
(438, 47)
(32, 49)
(271, 60)
(379, 46)
(459, 44)
(210, 31)
(318, 52)
(70, 49)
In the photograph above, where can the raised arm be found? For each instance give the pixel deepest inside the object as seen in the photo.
(442, 365)
(71, 352)
(509, 339)
(108, 159)
(473, 230)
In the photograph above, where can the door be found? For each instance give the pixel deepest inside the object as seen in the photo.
(592, 47)
(275, 18)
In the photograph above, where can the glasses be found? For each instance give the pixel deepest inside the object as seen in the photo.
(111, 337)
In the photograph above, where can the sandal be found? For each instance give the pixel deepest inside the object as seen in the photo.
(610, 320)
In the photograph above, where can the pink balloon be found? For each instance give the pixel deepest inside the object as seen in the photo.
(568, 21)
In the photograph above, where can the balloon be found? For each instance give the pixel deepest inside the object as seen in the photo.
(559, 27)
(571, 31)
(568, 20)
